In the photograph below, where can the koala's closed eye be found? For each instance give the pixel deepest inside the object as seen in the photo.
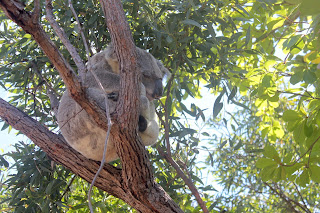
(113, 96)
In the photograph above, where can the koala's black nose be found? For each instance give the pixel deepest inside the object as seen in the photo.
(158, 89)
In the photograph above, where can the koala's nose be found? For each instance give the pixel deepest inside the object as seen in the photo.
(158, 89)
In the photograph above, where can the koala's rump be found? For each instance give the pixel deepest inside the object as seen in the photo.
(81, 132)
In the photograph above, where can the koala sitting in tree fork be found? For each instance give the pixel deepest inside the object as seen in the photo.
(81, 131)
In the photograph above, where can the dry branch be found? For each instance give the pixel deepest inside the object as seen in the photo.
(167, 155)
(63, 36)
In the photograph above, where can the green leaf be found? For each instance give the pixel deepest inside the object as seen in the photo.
(291, 115)
(291, 169)
(298, 133)
(232, 94)
(49, 187)
(310, 7)
(296, 78)
(238, 146)
(279, 174)
(241, 8)
(191, 22)
(291, 41)
(308, 129)
(304, 178)
(315, 173)
(169, 39)
(265, 162)
(267, 81)
(222, 144)
(4, 126)
(270, 152)
(309, 77)
(216, 109)
(267, 173)
(3, 162)
(248, 36)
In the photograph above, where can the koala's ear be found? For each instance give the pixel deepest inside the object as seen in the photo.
(165, 72)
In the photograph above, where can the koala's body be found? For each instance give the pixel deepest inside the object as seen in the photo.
(80, 130)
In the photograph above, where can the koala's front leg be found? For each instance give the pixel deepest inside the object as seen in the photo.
(99, 97)
(144, 104)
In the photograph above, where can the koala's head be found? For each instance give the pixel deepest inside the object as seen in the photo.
(152, 70)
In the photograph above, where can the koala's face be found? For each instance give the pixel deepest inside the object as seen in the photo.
(153, 87)
(152, 72)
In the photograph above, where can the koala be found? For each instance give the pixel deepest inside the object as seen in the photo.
(80, 130)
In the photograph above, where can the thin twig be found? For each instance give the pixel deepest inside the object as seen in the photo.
(187, 180)
(168, 155)
(62, 35)
(68, 187)
(106, 102)
(304, 203)
(309, 150)
(288, 199)
(106, 140)
(51, 93)
(88, 51)
(37, 71)
(302, 95)
(282, 196)
(82, 70)
(166, 115)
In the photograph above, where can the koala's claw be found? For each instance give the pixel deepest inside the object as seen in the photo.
(113, 96)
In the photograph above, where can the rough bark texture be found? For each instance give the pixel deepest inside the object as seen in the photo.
(134, 183)
(136, 172)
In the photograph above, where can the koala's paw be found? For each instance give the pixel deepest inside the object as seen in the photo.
(143, 123)
(113, 96)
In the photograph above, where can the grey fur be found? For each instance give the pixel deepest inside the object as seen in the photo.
(81, 131)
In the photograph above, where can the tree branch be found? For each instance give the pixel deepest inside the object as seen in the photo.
(304, 205)
(136, 172)
(51, 93)
(62, 35)
(127, 109)
(55, 146)
(168, 155)
(188, 181)
(36, 11)
(85, 43)
(283, 197)
(110, 179)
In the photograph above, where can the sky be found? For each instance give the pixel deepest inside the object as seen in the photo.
(8, 139)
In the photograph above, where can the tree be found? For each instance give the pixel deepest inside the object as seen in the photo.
(260, 142)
